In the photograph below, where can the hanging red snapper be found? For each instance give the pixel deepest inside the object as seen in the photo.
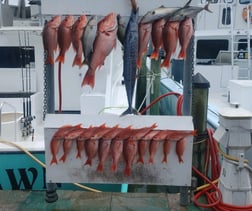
(166, 150)
(157, 37)
(91, 147)
(77, 33)
(170, 39)
(103, 151)
(129, 152)
(50, 38)
(155, 143)
(144, 34)
(185, 34)
(68, 140)
(180, 148)
(104, 43)
(67, 144)
(116, 151)
(64, 37)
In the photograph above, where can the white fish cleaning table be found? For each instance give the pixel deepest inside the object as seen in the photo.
(158, 173)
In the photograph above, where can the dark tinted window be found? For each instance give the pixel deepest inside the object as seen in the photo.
(242, 45)
(209, 49)
(245, 1)
(16, 56)
(226, 16)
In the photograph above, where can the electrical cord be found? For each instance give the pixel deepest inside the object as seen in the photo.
(41, 163)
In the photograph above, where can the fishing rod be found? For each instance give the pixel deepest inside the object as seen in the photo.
(22, 72)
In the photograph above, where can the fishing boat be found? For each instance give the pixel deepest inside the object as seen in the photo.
(31, 89)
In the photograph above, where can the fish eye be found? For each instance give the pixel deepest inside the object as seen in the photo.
(153, 13)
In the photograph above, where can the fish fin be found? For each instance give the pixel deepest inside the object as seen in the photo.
(77, 61)
(60, 58)
(180, 159)
(88, 80)
(127, 171)
(88, 162)
(49, 60)
(154, 55)
(166, 63)
(130, 111)
(100, 167)
(140, 160)
(54, 160)
(113, 167)
(63, 158)
(78, 155)
(139, 62)
(182, 54)
(164, 159)
(151, 160)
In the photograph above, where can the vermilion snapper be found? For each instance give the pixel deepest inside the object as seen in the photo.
(64, 37)
(77, 33)
(129, 152)
(68, 141)
(144, 30)
(50, 38)
(157, 37)
(180, 148)
(170, 39)
(104, 43)
(185, 34)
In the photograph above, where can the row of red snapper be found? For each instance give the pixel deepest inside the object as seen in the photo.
(95, 40)
(116, 142)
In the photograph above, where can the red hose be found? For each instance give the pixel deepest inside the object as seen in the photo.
(158, 99)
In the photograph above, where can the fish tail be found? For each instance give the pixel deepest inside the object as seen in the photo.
(154, 55)
(182, 54)
(54, 160)
(100, 167)
(78, 155)
(88, 80)
(113, 167)
(140, 160)
(139, 62)
(77, 61)
(63, 158)
(164, 159)
(151, 160)
(127, 171)
(60, 58)
(166, 63)
(180, 159)
(88, 162)
(49, 60)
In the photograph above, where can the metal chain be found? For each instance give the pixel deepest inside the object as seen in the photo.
(45, 89)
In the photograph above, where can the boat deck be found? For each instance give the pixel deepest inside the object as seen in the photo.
(80, 200)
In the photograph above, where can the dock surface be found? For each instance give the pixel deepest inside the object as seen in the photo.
(81, 200)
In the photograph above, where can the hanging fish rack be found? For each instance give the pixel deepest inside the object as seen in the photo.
(68, 168)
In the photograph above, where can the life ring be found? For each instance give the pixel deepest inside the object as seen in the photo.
(245, 13)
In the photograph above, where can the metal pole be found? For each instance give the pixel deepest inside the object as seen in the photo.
(187, 102)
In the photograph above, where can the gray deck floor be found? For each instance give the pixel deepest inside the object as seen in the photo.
(80, 200)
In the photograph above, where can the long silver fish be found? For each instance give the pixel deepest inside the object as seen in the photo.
(130, 53)
(188, 11)
(88, 38)
(158, 13)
